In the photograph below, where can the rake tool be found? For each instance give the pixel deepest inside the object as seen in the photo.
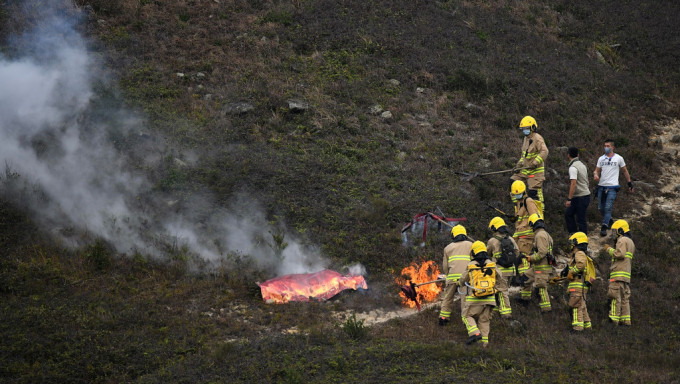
(467, 176)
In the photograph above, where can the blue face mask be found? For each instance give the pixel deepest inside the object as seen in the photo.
(607, 150)
(526, 132)
(518, 197)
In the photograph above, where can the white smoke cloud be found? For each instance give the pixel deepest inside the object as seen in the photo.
(71, 176)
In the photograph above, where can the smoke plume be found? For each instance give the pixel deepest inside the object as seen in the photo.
(63, 166)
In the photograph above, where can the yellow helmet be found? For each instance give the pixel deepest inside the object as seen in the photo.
(458, 230)
(536, 217)
(621, 227)
(528, 122)
(518, 187)
(477, 247)
(496, 223)
(578, 238)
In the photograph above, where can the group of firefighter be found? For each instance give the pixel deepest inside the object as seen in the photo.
(534, 263)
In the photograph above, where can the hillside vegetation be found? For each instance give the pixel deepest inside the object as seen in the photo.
(456, 77)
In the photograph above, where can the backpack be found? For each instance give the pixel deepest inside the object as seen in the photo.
(589, 273)
(482, 282)
(508, 255)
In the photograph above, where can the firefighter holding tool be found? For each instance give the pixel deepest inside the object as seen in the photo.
(456, 259)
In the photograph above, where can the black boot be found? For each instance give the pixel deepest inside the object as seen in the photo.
(473, 339)
(603, 231)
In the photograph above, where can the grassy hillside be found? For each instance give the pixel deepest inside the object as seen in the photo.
(457, 76)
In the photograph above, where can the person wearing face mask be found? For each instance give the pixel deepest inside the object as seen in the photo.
(534, 154)
(606, 175)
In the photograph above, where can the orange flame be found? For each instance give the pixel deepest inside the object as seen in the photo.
(427, 271)
(319, 286)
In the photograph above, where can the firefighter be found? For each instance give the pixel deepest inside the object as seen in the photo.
(456, 259)
(540, 260)
(495, 249)
(478, 310)
(619, 273)
(534, 154)
(577, 289)
(524, 207)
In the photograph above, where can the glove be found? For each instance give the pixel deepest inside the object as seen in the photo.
(630, 186)
(564, 272)
(512, 218)
(570, 276)
(517, 169)
(606, 248)
(488, 272)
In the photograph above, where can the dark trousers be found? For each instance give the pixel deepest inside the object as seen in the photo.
(578, 208)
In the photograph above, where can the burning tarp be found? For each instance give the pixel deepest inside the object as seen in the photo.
(318, 286)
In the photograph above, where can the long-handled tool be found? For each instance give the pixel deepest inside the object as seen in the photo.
(412, 294)
(467, 176)
(509, 216)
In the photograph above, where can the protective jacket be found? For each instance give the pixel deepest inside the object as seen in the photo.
(524, 209)
(456, 259)
(534, 154)
(576, 268)
(622, 259)
(543, 244)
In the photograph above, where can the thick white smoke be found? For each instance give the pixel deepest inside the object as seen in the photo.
(61, 162)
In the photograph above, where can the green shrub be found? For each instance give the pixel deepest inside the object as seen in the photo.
(355, 329)
(99, 255)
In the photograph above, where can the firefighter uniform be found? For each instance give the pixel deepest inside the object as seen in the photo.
(494, 249)
(619, 280)
(524, 235)
(478, 310)
(456, 259)
(577, 291)
(534, 154)
(540, 269)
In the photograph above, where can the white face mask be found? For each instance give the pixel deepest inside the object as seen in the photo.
(518, 197)
(526, 132)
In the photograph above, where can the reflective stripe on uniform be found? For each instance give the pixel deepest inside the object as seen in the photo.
(616, 274)
(472, 330)
(503, 309)
(574, 322)
(483, 300)
(453, 276)
(575, 284)
(612, 311)
(453, 258)
(545, 298)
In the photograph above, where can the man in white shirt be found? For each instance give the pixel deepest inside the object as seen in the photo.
(607, 177)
